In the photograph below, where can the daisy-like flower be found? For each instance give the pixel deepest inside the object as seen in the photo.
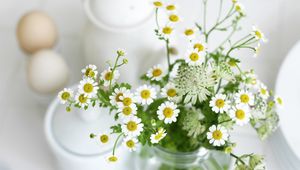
(170, 7)
(258, 34)
(158, 136)
(130, 143)
(145, 95)
(198, 45)
(240, 114)
(90, 71)
(103, 138)
(166, 31)
(170, 92)
(168, 112)
(112, 159)
(239, 7)
(127, 111)
(158, 3)
(156, 73)
(65, 95)
(132, 126)
(193, 57)
(116, 96)
(190, 33)
(173, 17)
(108, 76)
(250, 79)
(82, 99)
(217, 135)
(278, 100)
(127, 99)
(263, 91)
(244, 97)
(219, 104)
(88, 86)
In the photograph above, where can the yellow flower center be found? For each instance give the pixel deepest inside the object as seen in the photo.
(88, 88)
(240, 114)
(171, 92)
(189, 32)
(127, 111)
(238, 8)
(118, 97)
(220, 103)
(145, 94)
(157, 3)
(130, 144)
(217, 135)
(65, 95)
(89, 72)
(168, 112)
(167, 30)
(263, 91)
(279, 100)
(194, 56)
(104, 138)
(113, 159)
(131, 126)
(82, 98)
(108, 76)
(244, 98)
(171, 7)
(174, 18)
(127, 101)
(258, 34)
(199, 47)
(158, 136)
(156, 72)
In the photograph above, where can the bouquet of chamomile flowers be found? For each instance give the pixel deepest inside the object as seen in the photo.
(196, 101)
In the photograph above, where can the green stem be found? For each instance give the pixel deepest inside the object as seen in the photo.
(168, 55)
(238, 46)
(219, 85)
(204, 15)
(237, 158)
(220, 11)
(113, 70)
(156, 18)
(116, 142)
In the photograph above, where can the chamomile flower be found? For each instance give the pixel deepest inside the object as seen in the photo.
(127, 99)
(190, 33)
(132, 126)
(250, 79)
(156, 73)
(217, 135)
(234, 1)
(258, 34)
(158, 136)
(170, 92)
(239, 7)
(166, 31)
(88, 86)
(108, 76)
(219, 104)
(103, 138)
(170, 7)
(257, 50)
(130, 143)
(127, 111)
(116, 96)
(263, 91)
(198, 45)
(168, 112)
(65, 95)
(145, 95)
(112, 159)
(158, 3)
(193, 57)
(278, 100)
(90, 71)
(240, 114)
(244, 97)
(173, 17)
(82, 99)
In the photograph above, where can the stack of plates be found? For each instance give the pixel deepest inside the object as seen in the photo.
(286, 141)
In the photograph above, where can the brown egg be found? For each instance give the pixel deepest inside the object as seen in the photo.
(36, 31)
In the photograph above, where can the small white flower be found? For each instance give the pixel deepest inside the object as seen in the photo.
(171, 7)
(217, 135)
(278, 100)
(158, 136)
(103, 138)
(158, 3)
(258, 34)
(127, 99)
(194, 57)
(168, 112)
(112, 159)
(244, 97)
(115, 98)
(198, 45)
(130, 143)
(166, 31)
(132, 126)
(263, 91)
(65, 95)
(173, 17)
(90, 71)
(219, 104)
(88, 86)
(190, 33)
(145, 95)
(127, 111)
(257, 50)
(250, 79)
(156, 73)
(107, 76)
(170, 92)
(240, 114)
(239, 7)
(82, 99)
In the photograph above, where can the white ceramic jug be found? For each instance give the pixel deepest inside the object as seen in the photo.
(125, 24)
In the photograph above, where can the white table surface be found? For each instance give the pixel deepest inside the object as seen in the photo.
(22, 142)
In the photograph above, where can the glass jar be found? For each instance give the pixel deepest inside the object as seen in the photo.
(159, 158)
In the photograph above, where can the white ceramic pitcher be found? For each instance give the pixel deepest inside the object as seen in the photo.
(125, 24)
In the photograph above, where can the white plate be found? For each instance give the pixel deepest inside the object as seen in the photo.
(288, 86)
